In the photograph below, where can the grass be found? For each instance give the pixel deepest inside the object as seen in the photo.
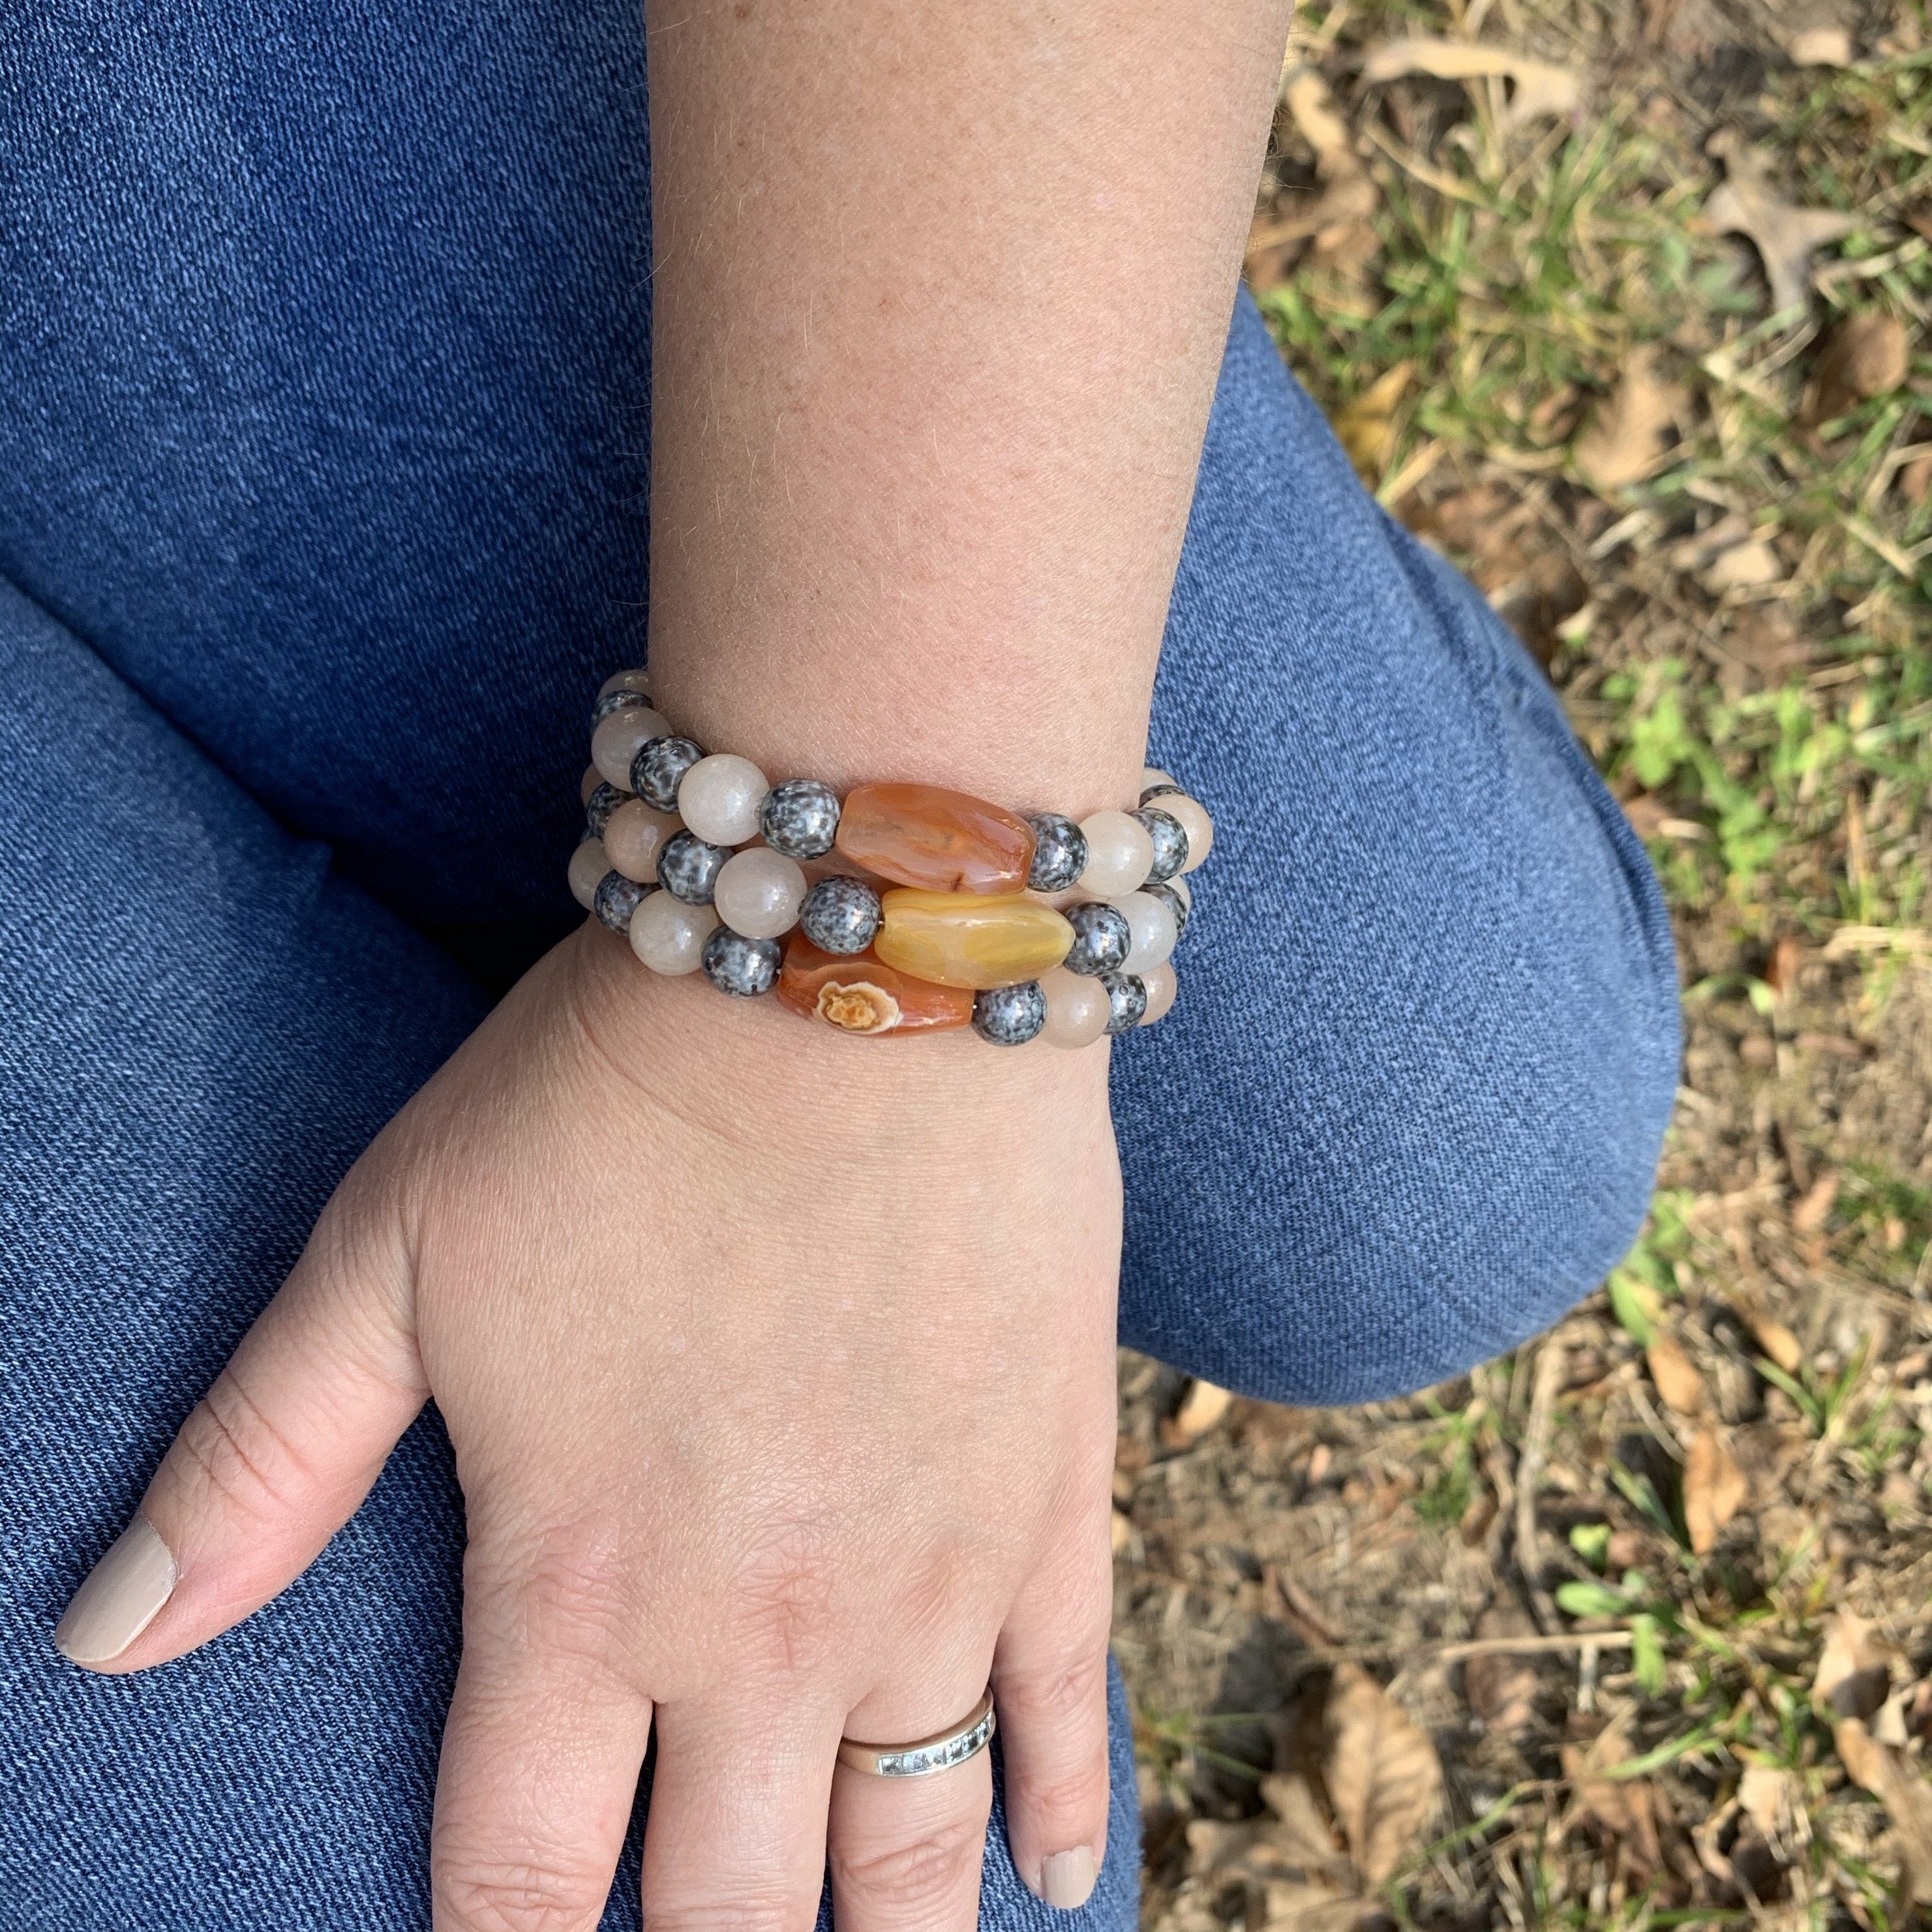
(1772, 739)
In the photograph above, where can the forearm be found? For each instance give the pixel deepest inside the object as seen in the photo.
(940, 295)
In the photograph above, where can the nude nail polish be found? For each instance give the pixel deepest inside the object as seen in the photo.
(1067, 1878)
(123, 1595)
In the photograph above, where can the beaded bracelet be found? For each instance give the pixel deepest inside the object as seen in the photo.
(1022, 925)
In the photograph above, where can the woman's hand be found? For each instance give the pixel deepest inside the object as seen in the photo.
(779, 1369)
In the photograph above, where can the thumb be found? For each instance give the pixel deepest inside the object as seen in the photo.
(276, 1456)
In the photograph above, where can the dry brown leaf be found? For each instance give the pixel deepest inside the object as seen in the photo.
(1203, 1406)
(1303, 1834)
(1305, 94)
(1628, 438)
(1744, 566)
(1294, 1876)
(1868, 356)
(1620, 1807)
(1501, 1687)
(1338, 220)
(1773, 1799)
(1538, 86)
(1365, 427)
(1677, 1379)
(1772, 1336)
(1383, 1777)
(1894, 1780)
(1785, 235)
(1815, 1210)
(1854, 1672)
(1914, 480)
(1289, 1906)
(1780, 969)
(1892, 1725)
(1820, 46)
(1243, 1848)
(1714, 1490)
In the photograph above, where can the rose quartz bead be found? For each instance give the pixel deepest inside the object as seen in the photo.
(593, 779)
(588, 865)
(759, 891)
(1120, 855)
(669, 936)
(1151, 932)
(626, 680)
(1192, 817)
(620, 737)
(1077, 1008)
(718, 798)
(633, 838)
(1152, 775)
(1161, 986)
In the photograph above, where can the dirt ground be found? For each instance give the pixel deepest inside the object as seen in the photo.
(1624, 307)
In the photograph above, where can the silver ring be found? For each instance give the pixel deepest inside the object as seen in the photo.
(952, 1747)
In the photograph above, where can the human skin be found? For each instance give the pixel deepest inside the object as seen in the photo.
(778, 1365)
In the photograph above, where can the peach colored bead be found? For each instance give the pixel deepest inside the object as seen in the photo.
(1152, 775)
(1179, 884)
(1151, 932)
(1120, 855)
(979, 940)
(1161, 987)
(593, 779)
(1077, 1008)
(718, 798)
(635, 835)
(669, 936)
(626, 680)
(588, 865)
(621, 736)
(858, 992)
(758, 892)
(935, 840)
(1191, 816)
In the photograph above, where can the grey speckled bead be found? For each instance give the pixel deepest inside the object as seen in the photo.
(1059, 852)
(658, 770)
(599, 806)
(741, 967)
(1126, 995)
(1170, 843)
(1101, 938)
(1174, 903)
(617, 898)
(1153, 792)
(688, 868)
(614, 700)
(840, 915)
(799, 818)
(1009, 1015)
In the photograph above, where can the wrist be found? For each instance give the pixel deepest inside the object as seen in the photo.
(927, 908)
(1009, 721)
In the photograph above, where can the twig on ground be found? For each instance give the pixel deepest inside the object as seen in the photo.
(1550, 1368)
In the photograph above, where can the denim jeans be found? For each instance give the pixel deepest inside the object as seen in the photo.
(324, 332)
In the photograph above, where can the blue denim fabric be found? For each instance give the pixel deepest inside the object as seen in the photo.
(324, 337)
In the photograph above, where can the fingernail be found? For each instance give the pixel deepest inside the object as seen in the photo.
(122, 1596)
(1067, 1878)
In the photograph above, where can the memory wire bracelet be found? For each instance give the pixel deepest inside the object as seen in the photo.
(957, 912)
